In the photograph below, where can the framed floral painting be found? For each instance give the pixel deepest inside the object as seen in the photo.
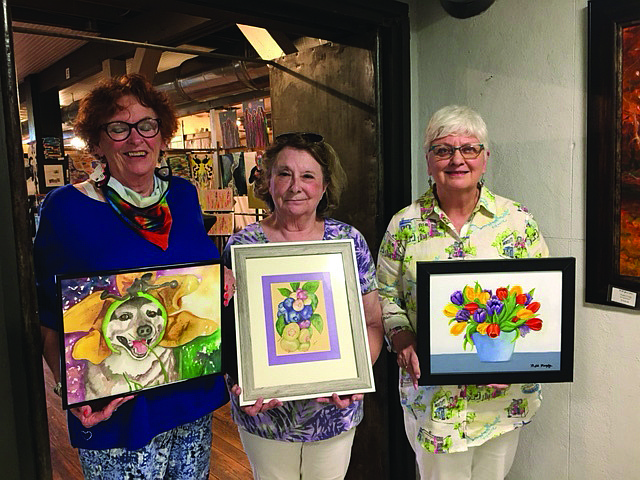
(132, 330)
(300, 325)
(496, 321)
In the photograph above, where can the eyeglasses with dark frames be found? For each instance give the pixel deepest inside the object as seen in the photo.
(469, 151)
(119, 131)
(306, 136)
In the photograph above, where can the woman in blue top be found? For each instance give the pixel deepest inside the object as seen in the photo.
(311, 439)
(134, 215)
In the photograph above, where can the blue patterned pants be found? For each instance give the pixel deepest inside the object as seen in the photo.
(182, 453)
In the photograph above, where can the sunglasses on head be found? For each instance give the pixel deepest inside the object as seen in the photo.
(306, 136)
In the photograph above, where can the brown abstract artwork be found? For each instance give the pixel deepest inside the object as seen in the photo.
(630, 153)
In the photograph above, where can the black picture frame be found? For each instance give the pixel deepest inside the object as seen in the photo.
(187, 344)
(605, 283)
(545, 354)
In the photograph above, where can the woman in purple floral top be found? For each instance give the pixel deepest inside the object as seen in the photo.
(301, 184)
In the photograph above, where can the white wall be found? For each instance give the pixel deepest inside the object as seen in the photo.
(522, 65)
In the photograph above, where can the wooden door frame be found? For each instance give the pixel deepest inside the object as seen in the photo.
(24, 445)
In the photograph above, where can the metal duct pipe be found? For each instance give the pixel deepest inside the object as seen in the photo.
(209, 84)
(199, 81)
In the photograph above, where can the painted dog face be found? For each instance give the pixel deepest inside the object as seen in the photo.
(136, 326)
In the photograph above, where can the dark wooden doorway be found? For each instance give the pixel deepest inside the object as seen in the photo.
(379, 25)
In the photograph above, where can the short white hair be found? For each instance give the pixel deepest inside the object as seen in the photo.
(455, 120)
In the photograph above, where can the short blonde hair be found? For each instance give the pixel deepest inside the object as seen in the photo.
(455, 120)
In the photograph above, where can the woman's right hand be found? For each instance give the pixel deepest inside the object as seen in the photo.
(404, 343)
(257, 407)
(89, 418)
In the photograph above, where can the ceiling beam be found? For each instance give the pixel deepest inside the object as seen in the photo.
(157, 28)
(74, 14)
(145, 62)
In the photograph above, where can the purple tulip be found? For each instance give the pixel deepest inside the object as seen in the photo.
(463, 315)
(457, 298)
(528, 300)
(480, 315)
(494, 305)
(524, 330)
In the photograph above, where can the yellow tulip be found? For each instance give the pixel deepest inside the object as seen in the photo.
(483, 297)
(469, 293)
(517, 289)
(476, 294)
(450, 310)
(458, 328)
(482, 328)
(524, 313)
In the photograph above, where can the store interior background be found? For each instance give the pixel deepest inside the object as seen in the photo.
(327, 79)
(523, 66)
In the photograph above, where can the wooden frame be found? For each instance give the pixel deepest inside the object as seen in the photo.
(496, 321)
(300, 325)
(612, 260)
(132, 330)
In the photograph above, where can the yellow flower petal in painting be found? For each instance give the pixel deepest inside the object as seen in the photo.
(483, 297)
(450, 310)
(469, 293)
(87, 314)
(171, 298)
(184, 327)
(458, 328)
(524, 313)
(91, 347)
(482, 328)
(517, 289)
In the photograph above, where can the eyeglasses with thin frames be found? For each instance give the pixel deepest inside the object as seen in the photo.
(120, 131)
(444, 152)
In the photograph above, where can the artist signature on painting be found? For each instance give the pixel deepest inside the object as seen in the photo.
(540, 365)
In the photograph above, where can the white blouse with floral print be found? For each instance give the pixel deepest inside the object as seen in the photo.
(453, 418)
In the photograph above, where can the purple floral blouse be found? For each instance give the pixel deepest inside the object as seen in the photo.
(305, 420)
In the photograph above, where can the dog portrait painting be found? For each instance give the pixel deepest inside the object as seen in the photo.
(133, 330)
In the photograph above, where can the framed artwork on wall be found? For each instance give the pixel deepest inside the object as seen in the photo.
(613, 155)
(300, 326)
(133, 330)
(496, 321)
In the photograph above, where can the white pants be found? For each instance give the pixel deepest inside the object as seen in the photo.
(490, 461)
(278, 460)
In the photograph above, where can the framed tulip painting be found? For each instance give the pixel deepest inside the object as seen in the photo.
(612, 275)
(300, 325)
(496, 321)
(132, 330)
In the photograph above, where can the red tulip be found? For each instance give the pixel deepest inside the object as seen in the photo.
(502, 293)
(534, 323)
(533, 307)
(472, 307)
(515, 319)
(521, 299)
(493, 330)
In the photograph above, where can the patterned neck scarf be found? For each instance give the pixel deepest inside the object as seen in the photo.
(152, 222)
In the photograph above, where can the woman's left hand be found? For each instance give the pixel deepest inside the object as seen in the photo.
(260, 406)
(229, 285)
(341, 401)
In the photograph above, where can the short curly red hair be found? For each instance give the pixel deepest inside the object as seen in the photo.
(102, 103)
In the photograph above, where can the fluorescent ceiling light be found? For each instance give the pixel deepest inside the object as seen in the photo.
(262, 41)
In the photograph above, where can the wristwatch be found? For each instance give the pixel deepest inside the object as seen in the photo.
(58, 389)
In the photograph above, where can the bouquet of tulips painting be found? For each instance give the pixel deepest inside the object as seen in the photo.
(492, 322)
